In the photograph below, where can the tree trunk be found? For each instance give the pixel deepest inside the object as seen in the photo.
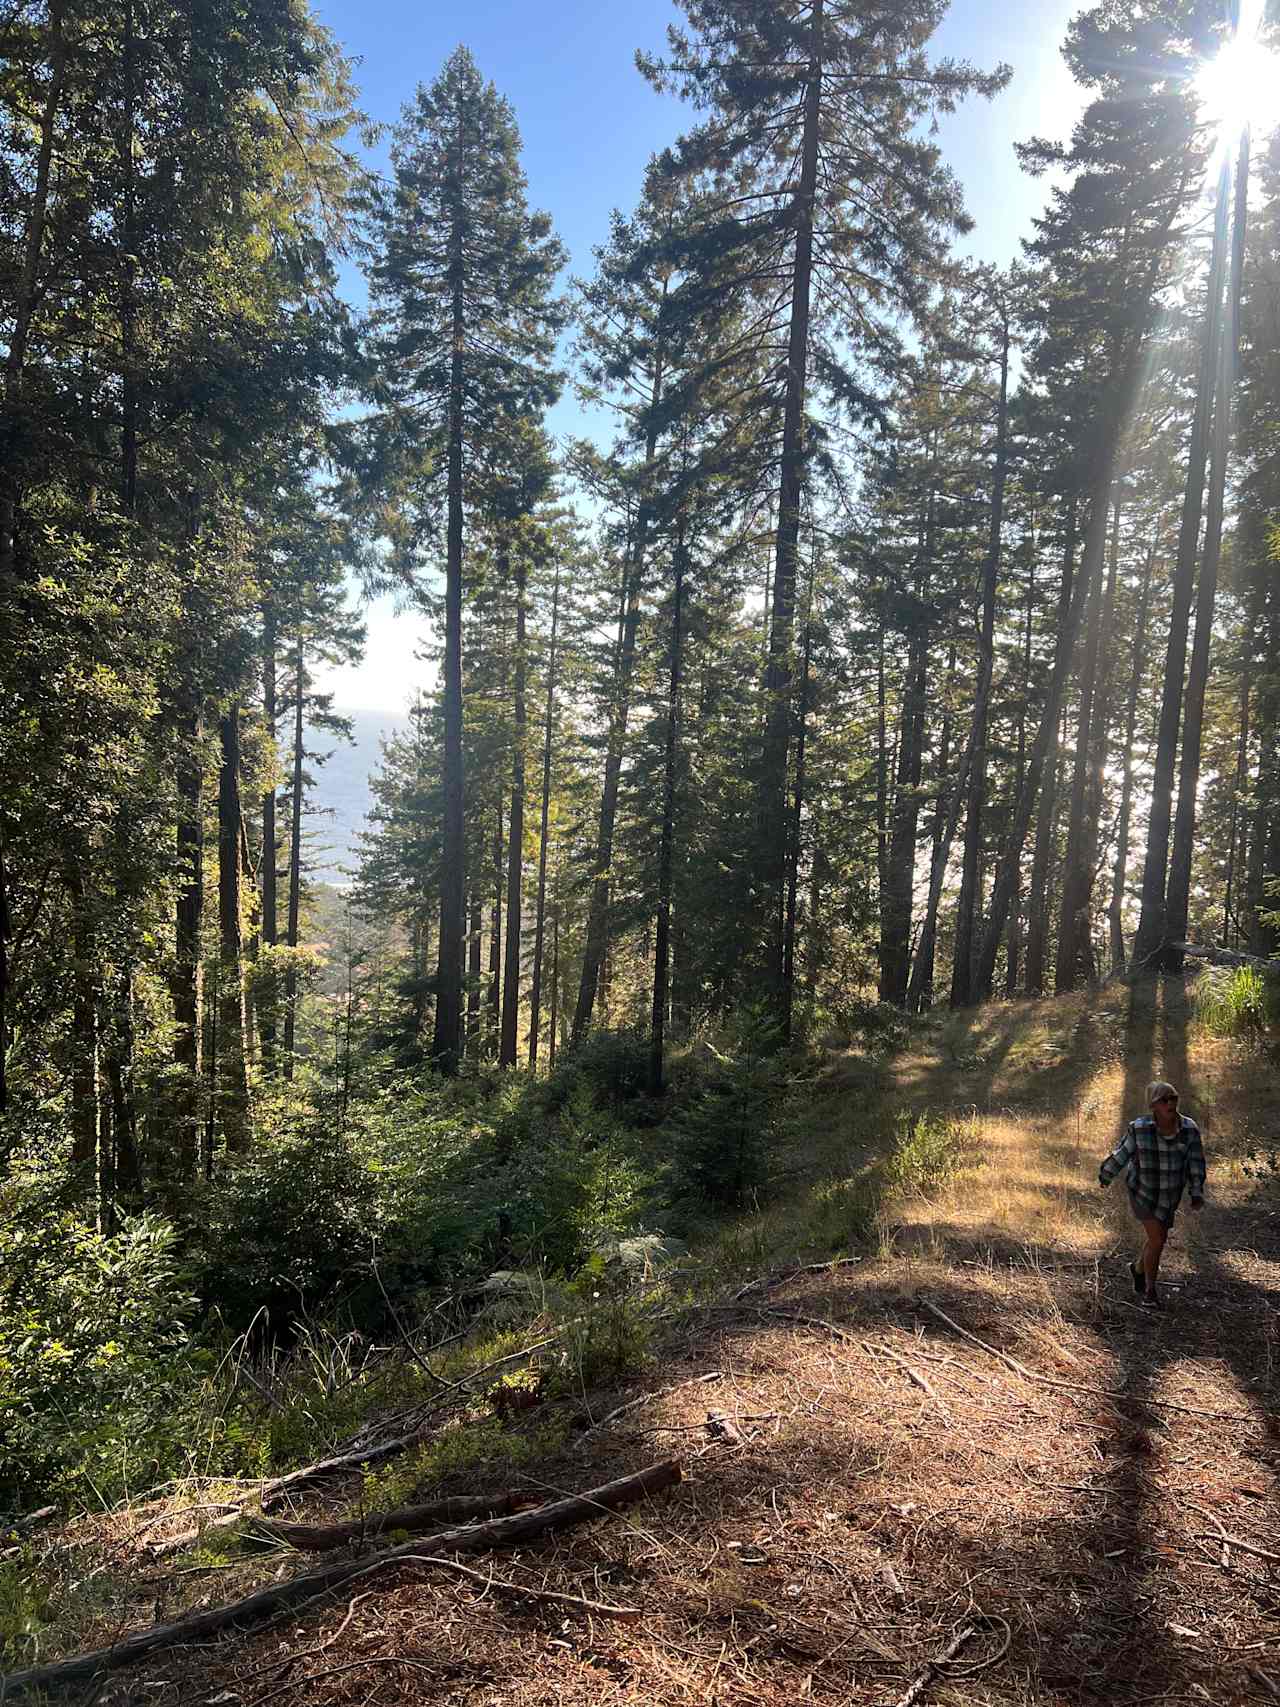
(962, 962)
(475, 933)
(777, 735)
(267, 991)
(446, 1048)
(1231, 912)
(666, 840)
(597, 933)
(26, 294)
(540, 916)
(1178, 897)
(189, 913)
(1115, 913)
(495, 941)
(1150, 954)
(515, 837)
(798, 803)
(896, 901)
(295, 861)
(233, 1077)
(1075, 942)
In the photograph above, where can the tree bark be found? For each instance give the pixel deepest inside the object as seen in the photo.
(962, 962)
(1149, 950)
(1075, 941)
(27, 291)
(495, 940)
(475, 934)
(267, 998)
(499, 1532)
(1178, 896)
(666, 840)
(597, 932)
(540, 915)
(295, 860)
(515, 836)
(896, 902)
(233, 1076)
(446, 1047)
(778, 710)
(798, 802)
(1115, 913)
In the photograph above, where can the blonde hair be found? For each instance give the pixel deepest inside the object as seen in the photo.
(1160, 1088)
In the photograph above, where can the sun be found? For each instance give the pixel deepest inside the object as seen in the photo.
(1240, 86)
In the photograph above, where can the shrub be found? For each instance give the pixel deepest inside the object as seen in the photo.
(612, 1065)
(1238, 1003)
(93, 1327)
(723, 1140)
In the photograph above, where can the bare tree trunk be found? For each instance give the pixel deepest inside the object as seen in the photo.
(515, 838)
(1115, 913)
(1235, 850)
(1178, 897)
(896, 901)
(597, 933)
(778, 710)
(540, 916)
(26, 292)
(268, 994)
(798, 802)
(295, 860)
(1075, 942)
(233, 1076)
(962, 962)
(1150, 949)
(666, 840)
(475, 932)
(495, 941)
(446, 1047)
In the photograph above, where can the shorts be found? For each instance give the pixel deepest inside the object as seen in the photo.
(1164, 1217)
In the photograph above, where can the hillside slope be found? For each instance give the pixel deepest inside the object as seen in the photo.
(968, 1441)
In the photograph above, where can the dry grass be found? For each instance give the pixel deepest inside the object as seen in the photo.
(896, 1483)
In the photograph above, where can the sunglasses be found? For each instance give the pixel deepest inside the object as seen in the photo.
(1166, 1099)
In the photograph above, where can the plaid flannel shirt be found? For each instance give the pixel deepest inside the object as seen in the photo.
(1158, 1169)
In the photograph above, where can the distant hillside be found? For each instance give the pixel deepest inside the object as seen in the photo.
(341, 796)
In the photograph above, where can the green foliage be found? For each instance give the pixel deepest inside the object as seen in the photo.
(1239, 1003)
(723, 1140)
(928, 1150)
(25, 1607)
(609, 1334)
(285, 1226)
(93, 1327)
(612, 1065)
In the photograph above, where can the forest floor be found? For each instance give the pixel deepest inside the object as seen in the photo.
(1091, 1493)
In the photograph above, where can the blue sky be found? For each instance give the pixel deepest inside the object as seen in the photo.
(589, 123)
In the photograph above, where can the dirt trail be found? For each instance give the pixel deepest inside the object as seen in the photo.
(895, 1485)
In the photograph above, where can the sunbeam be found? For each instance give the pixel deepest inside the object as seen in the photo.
(1238, 87)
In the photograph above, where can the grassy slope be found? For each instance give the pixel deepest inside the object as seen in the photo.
(896, 1484)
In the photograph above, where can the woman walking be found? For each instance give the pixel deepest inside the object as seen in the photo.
(1163, 1156)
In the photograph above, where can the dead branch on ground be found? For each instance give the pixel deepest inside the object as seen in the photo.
(501, 1532)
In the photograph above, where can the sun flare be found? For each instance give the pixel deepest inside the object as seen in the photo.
(1241, 85)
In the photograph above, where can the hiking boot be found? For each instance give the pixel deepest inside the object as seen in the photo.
(1150, 1301)
(1138, 1278)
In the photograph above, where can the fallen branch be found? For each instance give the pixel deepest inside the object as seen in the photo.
(780, 1276)
(627, 1614)
(501, 1532)
(920, 1380)
(275, 1491)
(812, 1322)
(1077, 1386)
(1233, 1540)
(934, 1667)
(319, 1538)
(647, 1399)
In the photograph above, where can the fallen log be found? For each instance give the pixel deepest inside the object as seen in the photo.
(276, 1490)
(473, 1538)
(321, 1537)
